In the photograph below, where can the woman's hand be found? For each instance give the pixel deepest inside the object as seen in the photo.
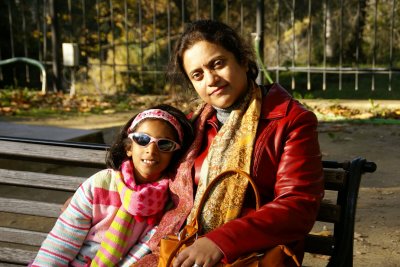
(203, 252)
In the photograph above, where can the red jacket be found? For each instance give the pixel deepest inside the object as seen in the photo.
(288, 172)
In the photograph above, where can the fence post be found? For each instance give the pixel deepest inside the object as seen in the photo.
(55, 46)
(260, 36)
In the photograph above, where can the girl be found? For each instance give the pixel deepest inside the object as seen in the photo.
(114, 213)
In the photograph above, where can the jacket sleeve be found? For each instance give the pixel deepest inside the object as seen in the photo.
(294, 174)
(65, 240)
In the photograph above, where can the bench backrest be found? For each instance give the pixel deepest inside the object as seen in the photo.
(32, 186)
(342, 178)
(342, 183)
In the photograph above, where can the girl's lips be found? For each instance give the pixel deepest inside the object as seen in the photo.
(148, 161)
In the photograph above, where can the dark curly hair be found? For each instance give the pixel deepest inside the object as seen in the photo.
(117, 152)
(214, 32)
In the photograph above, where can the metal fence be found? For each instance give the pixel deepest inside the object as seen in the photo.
(125, 45)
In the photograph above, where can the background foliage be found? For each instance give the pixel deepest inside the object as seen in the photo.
(125, 45)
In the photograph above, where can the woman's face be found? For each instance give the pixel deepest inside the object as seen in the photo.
(149, 162)
(216, 75)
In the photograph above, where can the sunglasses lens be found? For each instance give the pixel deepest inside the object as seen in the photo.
(165, 145)
(141, 139)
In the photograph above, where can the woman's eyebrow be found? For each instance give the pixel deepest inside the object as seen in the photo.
(193, 71)
(209, 64)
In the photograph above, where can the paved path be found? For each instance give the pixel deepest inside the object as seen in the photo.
(90, 128)
(50, 132)
(363, 105)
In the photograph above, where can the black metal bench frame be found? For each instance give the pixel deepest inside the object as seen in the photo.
(341, 177)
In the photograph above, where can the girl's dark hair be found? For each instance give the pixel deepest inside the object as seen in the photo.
(117, 152)
(214, 32)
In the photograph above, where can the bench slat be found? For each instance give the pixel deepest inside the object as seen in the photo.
(328, 212)
(11, 265)
(40, 180)
(15, 255)
(334, 179)
(53, 154)
(319, 244)
(21, 236)
(30, 207)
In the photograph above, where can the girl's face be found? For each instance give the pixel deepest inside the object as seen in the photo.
(216, 75)
(149, 162)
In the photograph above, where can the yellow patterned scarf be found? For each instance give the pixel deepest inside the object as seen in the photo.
(231, 148)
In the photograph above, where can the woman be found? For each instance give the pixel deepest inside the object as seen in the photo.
(259, 129)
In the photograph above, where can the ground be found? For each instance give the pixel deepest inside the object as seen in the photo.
(377, 231)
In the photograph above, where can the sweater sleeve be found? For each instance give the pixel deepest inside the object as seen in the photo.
(65, 240)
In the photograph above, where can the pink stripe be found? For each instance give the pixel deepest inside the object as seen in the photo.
(64, 240)
(80, 211)
(112, 258)
(106, 197)
(65, 250)
(125, 238)
(123, 192)
(113, 244)
(84, 193)
(55, 254)
(135, 257)
(74, 226)
(122, 222)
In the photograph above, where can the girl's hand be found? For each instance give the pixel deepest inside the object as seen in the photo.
(65, 205)
(203, 252)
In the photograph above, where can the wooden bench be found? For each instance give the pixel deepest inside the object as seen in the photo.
(37, 176)
(342, 183)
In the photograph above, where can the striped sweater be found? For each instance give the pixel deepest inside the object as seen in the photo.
(78, 232)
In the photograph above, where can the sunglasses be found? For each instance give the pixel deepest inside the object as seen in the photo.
(163, 144)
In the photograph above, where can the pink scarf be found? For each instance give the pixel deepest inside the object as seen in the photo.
(139, 202)
(150, 197)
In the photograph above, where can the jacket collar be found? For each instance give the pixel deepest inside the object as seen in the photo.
(276, 103)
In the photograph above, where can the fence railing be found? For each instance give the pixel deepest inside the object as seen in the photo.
(125, 45)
